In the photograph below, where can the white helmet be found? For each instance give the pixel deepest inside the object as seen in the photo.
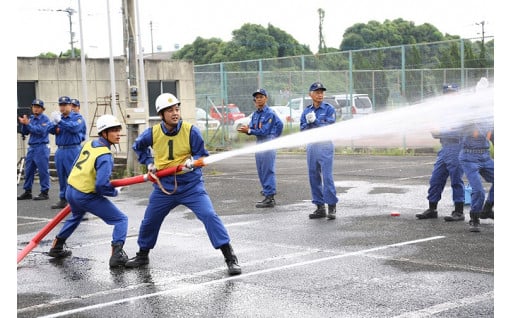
(107, 121)
(166, 100)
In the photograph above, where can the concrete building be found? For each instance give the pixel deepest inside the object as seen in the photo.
(49, 78)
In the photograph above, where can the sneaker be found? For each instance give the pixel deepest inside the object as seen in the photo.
(331, 214)
(25, 196)
(427, 214)
(319, 212)
(60, 205)
(42, 196)
(456, 216)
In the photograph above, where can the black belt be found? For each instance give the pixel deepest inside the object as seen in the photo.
(68, 146)
(481, 150)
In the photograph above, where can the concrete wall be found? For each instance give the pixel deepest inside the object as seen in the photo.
(57, 77)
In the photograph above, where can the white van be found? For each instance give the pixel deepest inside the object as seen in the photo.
(298, 104)
(360, 105)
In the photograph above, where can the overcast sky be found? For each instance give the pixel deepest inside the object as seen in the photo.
(176, 23)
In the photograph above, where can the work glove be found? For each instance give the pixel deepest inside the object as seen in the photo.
(151, 168)
(55, 117)
(310, 118)
(189, 164)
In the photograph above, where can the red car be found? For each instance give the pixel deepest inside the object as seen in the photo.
(226, 114)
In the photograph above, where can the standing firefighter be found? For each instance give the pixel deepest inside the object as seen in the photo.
(173, 142)
(38, 154)
(320, 155)
(475, 159)
(87, 188)
(446, 165)
(265, 125)
(68, 130)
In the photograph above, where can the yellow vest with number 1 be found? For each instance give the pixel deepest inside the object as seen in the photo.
(171, 151)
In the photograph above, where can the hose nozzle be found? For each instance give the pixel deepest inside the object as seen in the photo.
(199, 163)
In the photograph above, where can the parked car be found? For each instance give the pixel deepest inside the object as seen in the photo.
(282, 111)
(360, 105)
(204, 120)
(298, 104)
(226, 114)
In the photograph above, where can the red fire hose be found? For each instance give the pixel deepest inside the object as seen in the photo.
(116, 183)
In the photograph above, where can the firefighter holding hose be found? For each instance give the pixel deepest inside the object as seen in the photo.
(174, 142)
(89, 185)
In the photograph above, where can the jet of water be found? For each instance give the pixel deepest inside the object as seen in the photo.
(446, 111)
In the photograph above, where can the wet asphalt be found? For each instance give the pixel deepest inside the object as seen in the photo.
(365, 263)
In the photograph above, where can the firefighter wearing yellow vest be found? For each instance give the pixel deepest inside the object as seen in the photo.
(88, 188)
(174, 142)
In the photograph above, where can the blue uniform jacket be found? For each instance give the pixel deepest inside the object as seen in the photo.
(263, 124)
(38, 129)
(144, 141)
(71, 128)
(325, 115)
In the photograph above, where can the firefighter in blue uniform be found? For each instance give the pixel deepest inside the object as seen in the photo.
(476, 161)
(68, 128)
(446, 165)
(320, 155)
(75, 106)
(170, 143)
(265, 125)
(87, 190)
(38, 155)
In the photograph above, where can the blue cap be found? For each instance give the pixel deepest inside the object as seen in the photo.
(38, 102)
(75, 102)
(316, 86)
(260, 91)
(64, 100)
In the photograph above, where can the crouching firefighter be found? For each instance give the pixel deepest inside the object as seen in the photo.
(87, 189)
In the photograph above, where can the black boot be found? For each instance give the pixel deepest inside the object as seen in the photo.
(331, 211)
(458, 214)
(488, 212)
(61, 204)
(140, 259)
(268, 202)
(474, 222)
(42, 196)
(319, 212)
(430, 213)
(231, 260)
(118, 256)
(58, 249)
(27, 195)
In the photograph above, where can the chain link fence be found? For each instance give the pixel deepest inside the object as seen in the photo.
(392, 76)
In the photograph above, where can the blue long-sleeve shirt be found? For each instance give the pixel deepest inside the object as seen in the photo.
(38, 129)
(70, 130)
(264, 124)
(325, 115)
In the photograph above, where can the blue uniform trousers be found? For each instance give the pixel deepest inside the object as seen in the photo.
(37, 157)
(320, 159)
(196, 199)
(447, 165)
(64, 158)
(266, 167)
(477, 166)
(98, 205)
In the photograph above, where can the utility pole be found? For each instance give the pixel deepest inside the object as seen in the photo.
(482, 50)
(70, 12)
(151, 31)
(321, 44)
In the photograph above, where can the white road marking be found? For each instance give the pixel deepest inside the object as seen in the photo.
(428, 312)
(189, 288)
